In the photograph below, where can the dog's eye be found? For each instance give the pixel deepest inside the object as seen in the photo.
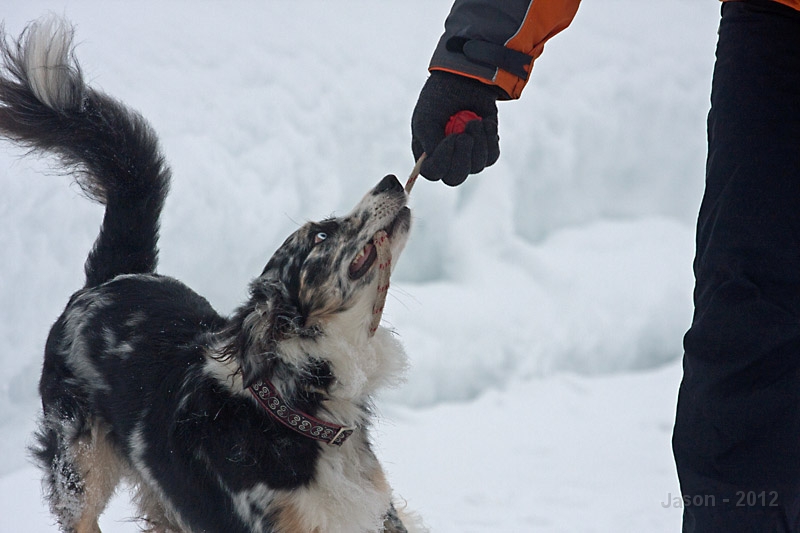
(319, 237)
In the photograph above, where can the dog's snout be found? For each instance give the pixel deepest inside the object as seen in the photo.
(388, 184)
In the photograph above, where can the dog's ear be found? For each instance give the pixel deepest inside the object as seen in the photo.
(256, 328)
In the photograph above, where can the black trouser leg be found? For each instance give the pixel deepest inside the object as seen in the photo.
(737, 430)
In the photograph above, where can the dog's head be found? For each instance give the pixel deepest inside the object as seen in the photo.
(324, 272)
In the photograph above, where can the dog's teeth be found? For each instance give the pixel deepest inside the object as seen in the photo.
(359, 258)
(362, 258)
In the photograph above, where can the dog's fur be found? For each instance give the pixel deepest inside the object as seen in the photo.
(144, 381)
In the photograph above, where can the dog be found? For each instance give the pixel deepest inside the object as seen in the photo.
(257, 422)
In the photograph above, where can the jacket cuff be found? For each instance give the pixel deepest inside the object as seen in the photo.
(486, 62)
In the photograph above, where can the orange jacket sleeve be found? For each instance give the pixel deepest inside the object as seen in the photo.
(791, 3)
(497, 41)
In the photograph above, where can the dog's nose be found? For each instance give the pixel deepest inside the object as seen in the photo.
(388, 184)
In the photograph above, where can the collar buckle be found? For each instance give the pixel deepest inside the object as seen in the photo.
(341, 436)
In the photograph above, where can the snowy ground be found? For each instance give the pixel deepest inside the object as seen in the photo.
(562, 454)
(542, 303)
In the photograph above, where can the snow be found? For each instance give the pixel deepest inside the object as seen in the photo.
(542, 303)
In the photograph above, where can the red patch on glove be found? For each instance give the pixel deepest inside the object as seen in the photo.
(458, 122)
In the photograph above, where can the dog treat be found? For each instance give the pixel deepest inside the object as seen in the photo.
(381, 242)
(414, 174)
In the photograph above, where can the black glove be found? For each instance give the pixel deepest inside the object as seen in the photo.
(452, 158)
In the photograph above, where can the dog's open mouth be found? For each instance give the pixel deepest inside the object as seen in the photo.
(364, 260)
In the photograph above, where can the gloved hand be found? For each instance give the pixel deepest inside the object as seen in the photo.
(452, 158)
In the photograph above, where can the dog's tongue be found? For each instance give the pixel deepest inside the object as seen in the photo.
(381, 243)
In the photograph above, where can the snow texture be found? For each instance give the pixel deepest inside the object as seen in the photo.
(542, 303)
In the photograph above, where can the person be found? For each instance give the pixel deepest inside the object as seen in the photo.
(736, 439)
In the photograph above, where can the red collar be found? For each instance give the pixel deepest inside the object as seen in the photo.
(300, 422)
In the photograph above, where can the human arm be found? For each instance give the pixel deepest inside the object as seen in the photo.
(485, 54)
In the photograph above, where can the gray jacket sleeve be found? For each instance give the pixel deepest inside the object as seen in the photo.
(497, 41)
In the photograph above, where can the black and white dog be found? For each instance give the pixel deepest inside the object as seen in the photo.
(254, 423)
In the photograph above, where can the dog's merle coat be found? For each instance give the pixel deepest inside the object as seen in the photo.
(143, 380)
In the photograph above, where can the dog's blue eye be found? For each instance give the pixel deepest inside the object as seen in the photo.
(319, 237)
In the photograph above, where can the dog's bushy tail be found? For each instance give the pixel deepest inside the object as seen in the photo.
(46, 106)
